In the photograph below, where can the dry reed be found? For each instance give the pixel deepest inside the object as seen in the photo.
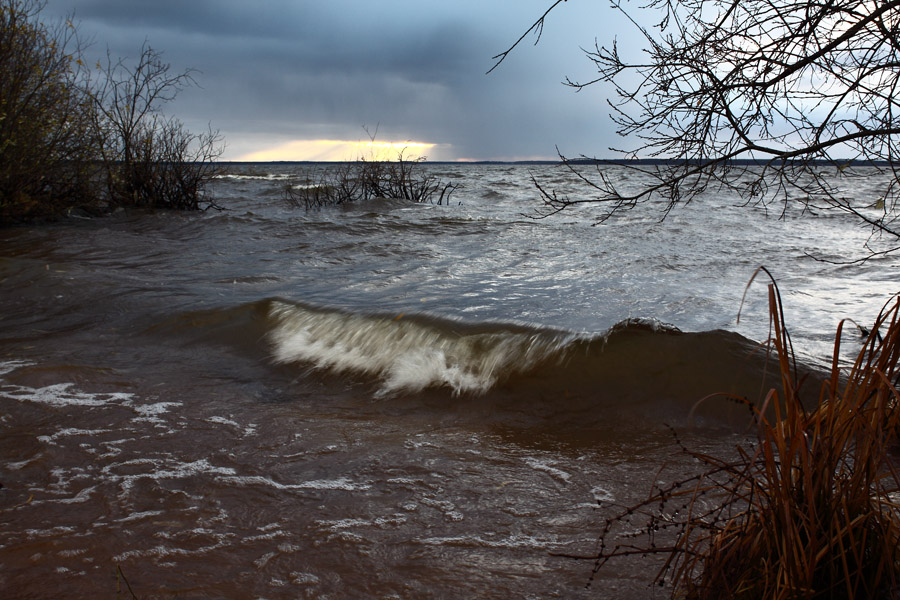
(809, 510)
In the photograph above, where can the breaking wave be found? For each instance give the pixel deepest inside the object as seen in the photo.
(636, 361)
(410, 353)
(637, 365)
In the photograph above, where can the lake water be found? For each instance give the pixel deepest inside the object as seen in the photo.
(384, 400)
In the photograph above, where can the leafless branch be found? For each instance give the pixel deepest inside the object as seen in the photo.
(776, 100)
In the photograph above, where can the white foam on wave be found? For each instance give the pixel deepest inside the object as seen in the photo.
(8, 366)
(601, 494)
(51, 532)
(161, 552)
(79, 498)
(224, 421)
(67, 395)
(341, 483)
(152, 413)
(161, 469)
(249, 429)
(254, 177)
(139, 515)
(155, 409)
(402, 353)
(15, 466)
(61, 395)
(548, 468)
(514, 541)
(70, 431)
(339, 525)
(56, 395)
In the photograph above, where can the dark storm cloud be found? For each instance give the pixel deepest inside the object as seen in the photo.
(271, 71)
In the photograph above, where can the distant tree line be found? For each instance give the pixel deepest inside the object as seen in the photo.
(74, 136)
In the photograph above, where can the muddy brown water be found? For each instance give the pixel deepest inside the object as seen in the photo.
(391, 401)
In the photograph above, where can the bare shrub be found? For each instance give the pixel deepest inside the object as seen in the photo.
(150, 160)
(46, 154)
(70, 138)
(365, 179)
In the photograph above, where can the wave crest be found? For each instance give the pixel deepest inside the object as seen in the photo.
(410, 354)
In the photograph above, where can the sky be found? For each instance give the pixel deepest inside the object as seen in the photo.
(316, 79)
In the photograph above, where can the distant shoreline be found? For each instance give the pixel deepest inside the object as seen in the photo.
(580, 161)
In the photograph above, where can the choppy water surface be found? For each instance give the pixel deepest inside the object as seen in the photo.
(384, 400)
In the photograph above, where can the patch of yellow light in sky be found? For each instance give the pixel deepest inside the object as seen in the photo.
(339, 150)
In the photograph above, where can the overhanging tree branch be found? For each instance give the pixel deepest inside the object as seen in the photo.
(771, 99)
(537, 27)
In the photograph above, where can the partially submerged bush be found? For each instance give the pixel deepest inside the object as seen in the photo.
(167, 168)
(46, 148)
(72, 140)
(809, 511)
(366, 179)
(150, 160)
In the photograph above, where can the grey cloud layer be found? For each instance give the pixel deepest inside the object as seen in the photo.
(299, 69)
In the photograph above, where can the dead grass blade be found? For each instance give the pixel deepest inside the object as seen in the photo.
(809, 509)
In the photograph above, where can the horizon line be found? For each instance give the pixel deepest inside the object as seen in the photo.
(579, 161)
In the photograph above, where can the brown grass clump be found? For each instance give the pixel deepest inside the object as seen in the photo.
(810, 510)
